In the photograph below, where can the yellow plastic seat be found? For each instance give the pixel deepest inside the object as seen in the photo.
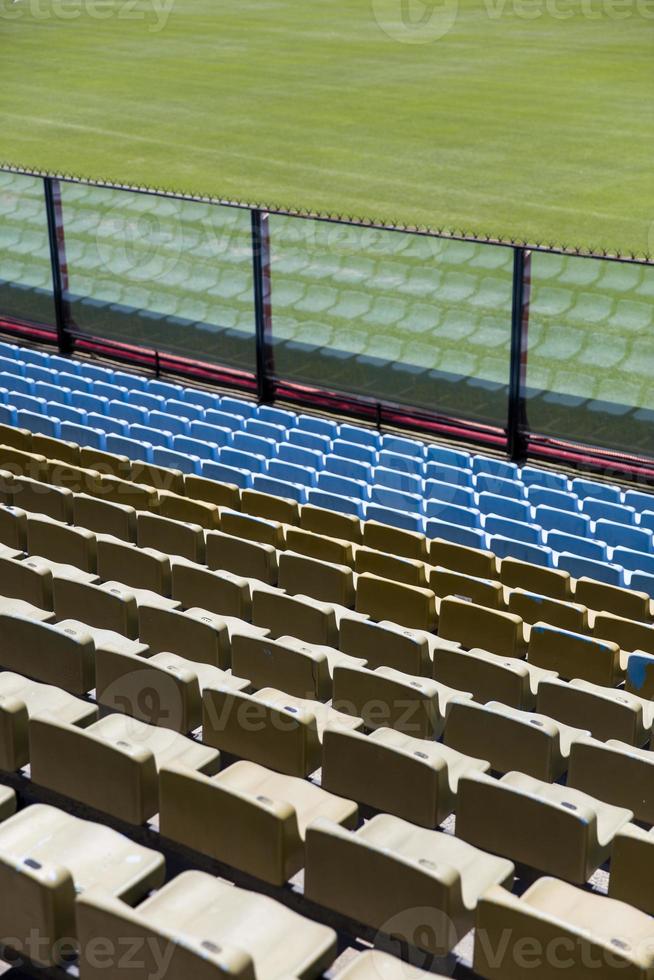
(22, 461)
(552, 828)
(386, 644)
(412, 778)
(104, 517)
(29, 580)
(36, 497)
(66, 545)
(171, 537)
(604, 711)
(51, 448)
(113, 764)
(459, 558)
(537, 579)
(134, 567)
(164, 479)
(270, 507)
(405, 605)
(629, 634)
(388, 866)
(251, 528)
(302, 617)
(209, 929)
(17, 607)
(48, 653)
(535, 608)
(47, 857)
(119, 491)
(613, 599)
(302, 669)
(247, 816)
(632, 868)
(108, 606)
(511, 739)
(387, 698)
(575, 655)
(318, 579)
(220, 592)
(346, 527)
(410, 571)
(475, 626)
(108, 464)
(12, 436)
(180, 508)
(482, 591)
(375, 965)
(20, 699)
(615, 772)
(270, 727)
(395, 541)
(490, 677)
(13, 527)
(221, 494)
(336, 550)
(247, 558)
(203, 638)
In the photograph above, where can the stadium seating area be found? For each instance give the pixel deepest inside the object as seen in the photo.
(274, 687)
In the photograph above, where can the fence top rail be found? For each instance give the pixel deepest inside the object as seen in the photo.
(454, 235)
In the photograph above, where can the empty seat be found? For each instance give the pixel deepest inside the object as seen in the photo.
(511, 739)
(325, 581)
(113, 764)
(336, 550)
(327, 522)
(375, 965)
(599, 571)
(267, 506)
(605, 712)
(250, 559)
(302, 669)
(47, 857)
(66, 545)
(171, 537)
(13, 527)
(438, 877)
(220, 592)
(388, 698)
(412, 778)
(270, 727)
(309, 619)
(640, 675)
(490, 677)
(551, 582)
(534, 608)
(109, 606)
(472, 626)
(632, 868)
(406, 605)
(211, 491)
(180, 508)
(386, 644)
(41, 498)
(52, 654)
(575, 655)
(247, 816)
(459, 558)
(394, 540)
(104, 517)
(208, 928)
(138, 568)
(252, 528)
(482, 591)
(555, 829)
(615, 772)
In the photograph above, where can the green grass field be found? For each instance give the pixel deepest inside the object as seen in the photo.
(525, 118)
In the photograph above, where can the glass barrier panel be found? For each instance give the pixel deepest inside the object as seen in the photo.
(591, 352)
(25, 272)
(165, 274)
(393, 316)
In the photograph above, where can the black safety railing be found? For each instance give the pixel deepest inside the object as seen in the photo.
(534, 350)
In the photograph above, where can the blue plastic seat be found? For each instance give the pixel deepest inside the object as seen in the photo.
(199, 448)
(488, 483)
(320, 427)
(64, 364)
(254, 444)
(10, 366)
(467, 536)
(495, 467)
(34, 357)
(309, 440)
(127, 380)
(576, 545)
(165, 389)
(451, 457)
(599, 510)
(75, 382)
(299, 456)
(601, 571)
(279, 488)
(267, 430)
(17, 383)
(128, 413)
(397, 480)
(146, 433)
(389, 498)
(83, 435)
(401, 445)
(619, 535)
(95, 373)
(7, 415)
(207, 399)
(176, 461)
(89, 403)
(66, 413)
(634, 561)
(394, 518)
(647, 519)
(452, 513)
(170, 423)
(598, 491)
(291, 473)
(515, 510)
(356, 433)
(225, 420)
(447, 492)
(52, 393)
(552, 519)
(402, 463)
(532, 476)
(642, 582)
(37, 422)
(185, 410)
(510, 548)
(215, 434)
(237, 406)
(242, 460)
(333, 501)
(539, 496)
(278, 416)
(144, 399)
(112, 393)
(124, 446)
(444, 473)
(516, 530)
(351, 468)
(29, 403)
(42, 374)
(109, 426)
(639, 501)
(335, 483)
(235, 475)
(354, 450)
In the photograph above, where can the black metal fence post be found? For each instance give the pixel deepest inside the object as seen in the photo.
(262, 305)
(517, 428)
(58, 265)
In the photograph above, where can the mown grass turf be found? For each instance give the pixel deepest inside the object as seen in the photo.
(527, 118)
